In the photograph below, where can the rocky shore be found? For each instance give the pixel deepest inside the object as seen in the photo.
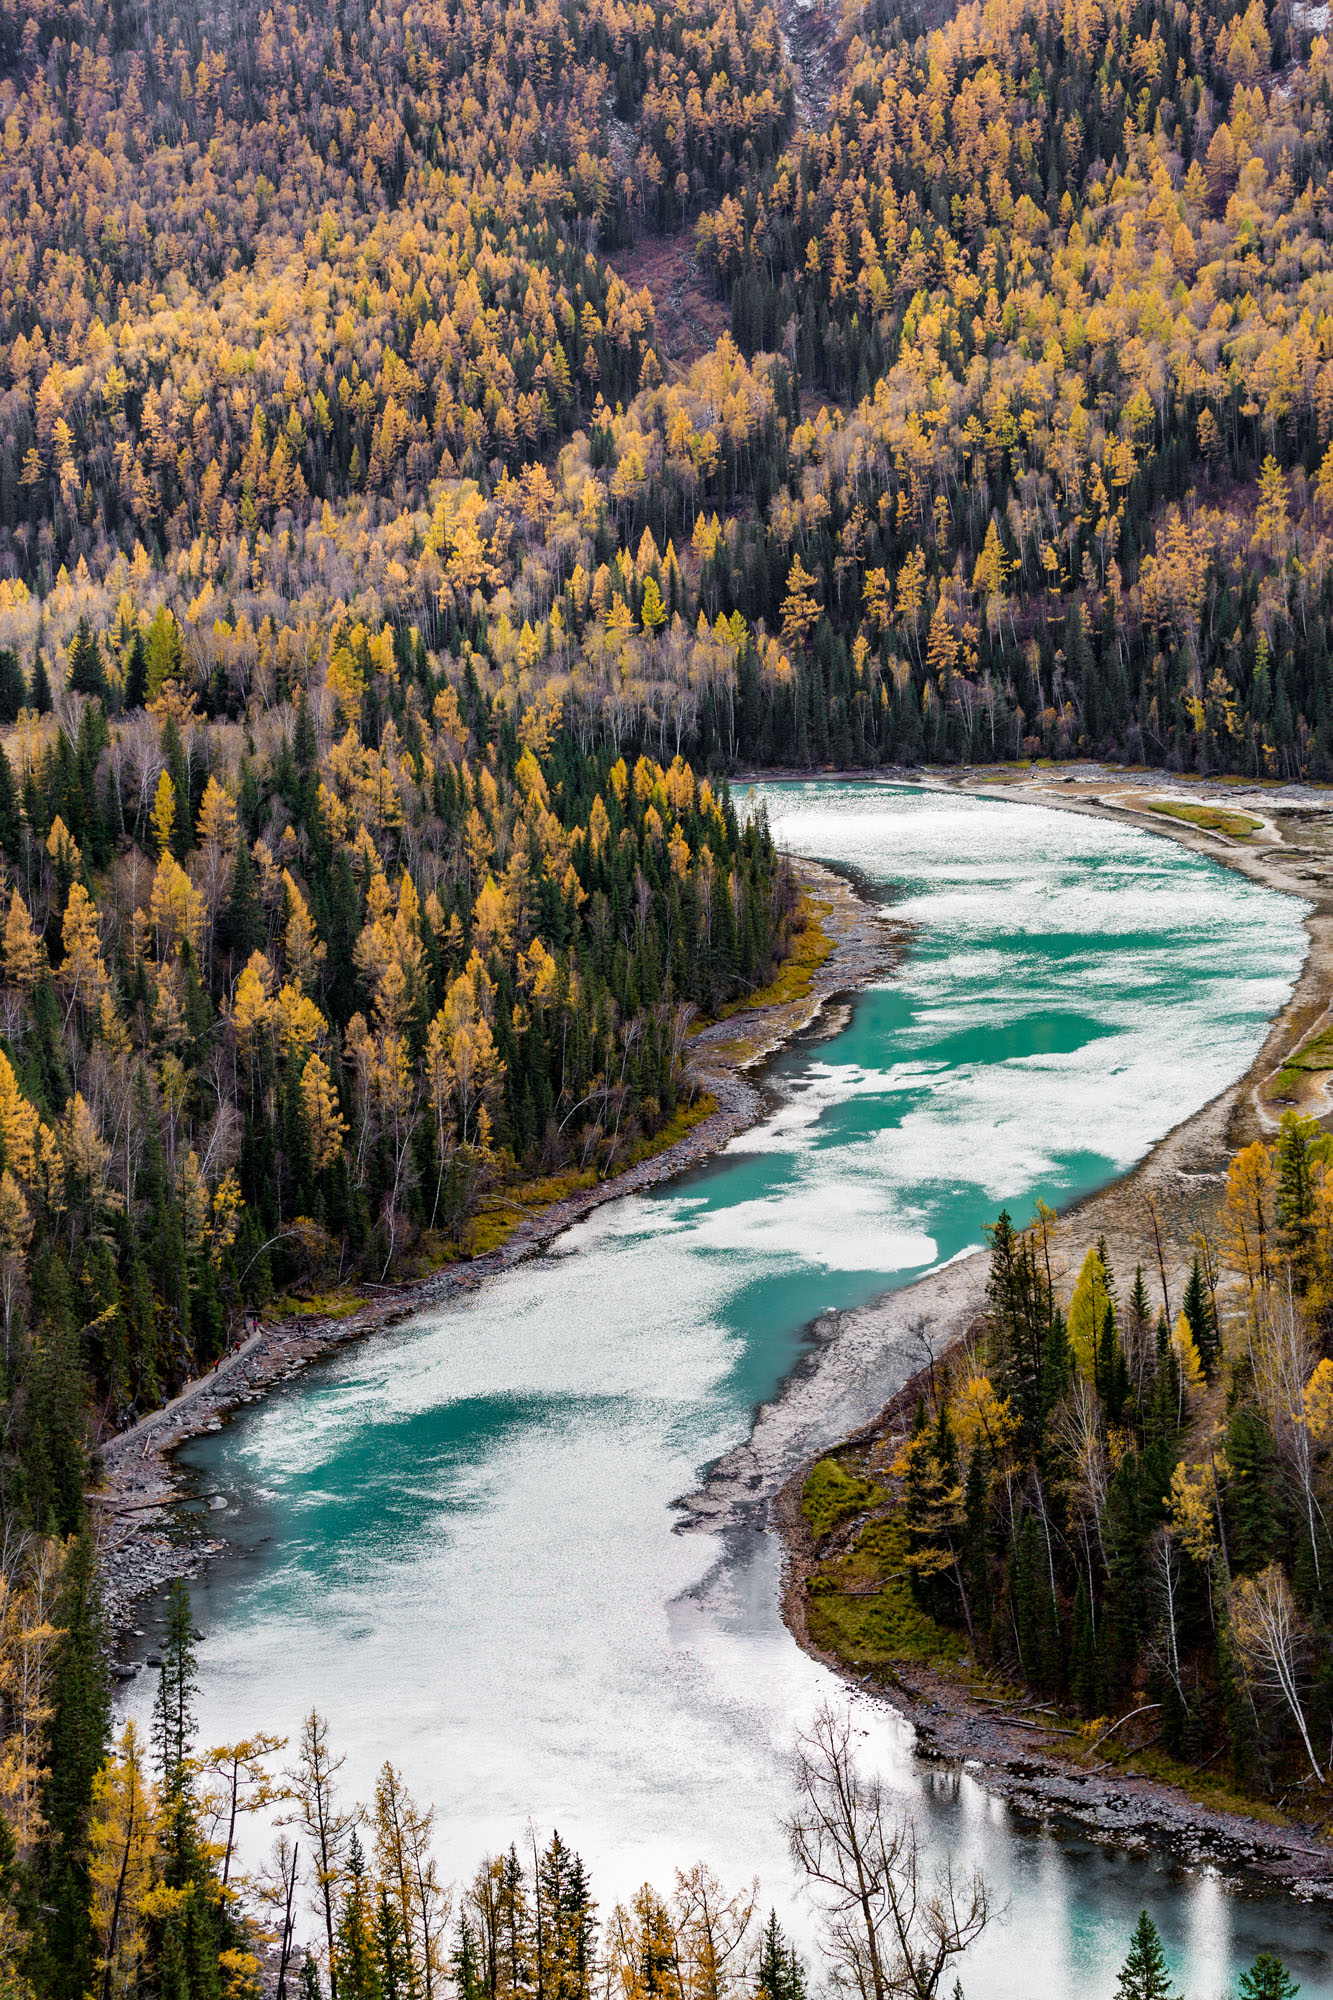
(140, 1544)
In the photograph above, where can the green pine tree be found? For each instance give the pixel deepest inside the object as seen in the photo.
(780, 1974)
(245, 915)
(86, 674)
(1025, 1589)
(355, 1946)
(52, 1416)
(173, 1731)
(1251, 1515)
(1198, 1310)
(11, 823)
(1295, 1200)
(1084, 1678)
(1057, 1363)
(1143, 1976)
(1268, 1979)
(395, 1973)
(469, 1977)
(12, 689)
(136, 673)
(39, 691)
(76, 1745)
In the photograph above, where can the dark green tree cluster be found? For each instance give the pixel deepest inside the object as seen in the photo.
(1146, 1976)
(1061, 1511)
(629, 896)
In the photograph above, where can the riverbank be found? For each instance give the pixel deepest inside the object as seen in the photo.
(881, 1353)
(141, 1541)
(860, 1359)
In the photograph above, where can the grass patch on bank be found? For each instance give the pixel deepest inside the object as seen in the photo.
(832, 1495)
(1312, 1060)
(861, 1606)
(340, 1303)
(1317, 1053)
(1209, 819)
(501, 1211)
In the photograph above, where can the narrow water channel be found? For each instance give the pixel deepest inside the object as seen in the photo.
(456, 1540)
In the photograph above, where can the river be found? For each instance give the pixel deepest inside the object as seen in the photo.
(456, 1539)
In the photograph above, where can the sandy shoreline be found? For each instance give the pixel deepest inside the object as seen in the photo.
(133, 1507)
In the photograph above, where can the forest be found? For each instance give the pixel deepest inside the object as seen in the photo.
(1020, 446)
(157, 1889)
(384, 613)
(1122, 1513)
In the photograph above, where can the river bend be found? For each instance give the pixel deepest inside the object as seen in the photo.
(456, 1538)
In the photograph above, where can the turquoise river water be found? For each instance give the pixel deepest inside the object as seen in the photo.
(457, 1539)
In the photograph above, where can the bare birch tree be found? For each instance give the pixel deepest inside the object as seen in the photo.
(1283, 1356)
(890, 1933)
(1272, 1641)
(276, 1889)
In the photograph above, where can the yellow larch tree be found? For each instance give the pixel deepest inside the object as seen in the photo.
(122, 1853)
(800, 606)
(29, 1590)
(217, 824)
(1247, 1212)
(82, 976)
(303, 953)
(164, 813)
(326, 1127)
(252, 1008)
(175, 910)
(25, 958)
(1087, 1311)
(18, 1124)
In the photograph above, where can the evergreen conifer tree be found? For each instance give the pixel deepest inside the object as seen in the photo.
(13, 691)
(359, 1963)
(86, 674)
(1268, 1979)
(245, 916)
(39, 691)
(136, 673)
(1295, 1199)
(11, 825)
(780, 1974)
(1083, 1677)
(1198, 1310)
(1025, 1591)
(469, 1978)
(1057, 1363)
(394, 1971)
(173, 1709)
(1143, 1976)
(185, 1931)
(1251, 1513)
(76, 1742)
(52, 1426)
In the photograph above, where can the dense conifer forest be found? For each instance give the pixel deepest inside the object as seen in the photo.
(1125, 1513)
